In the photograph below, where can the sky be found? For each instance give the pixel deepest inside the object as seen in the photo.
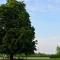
(45, 17)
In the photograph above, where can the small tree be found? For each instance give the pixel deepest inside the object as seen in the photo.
(58, 50)
(16, 33)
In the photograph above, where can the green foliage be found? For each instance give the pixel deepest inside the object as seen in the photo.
(58, 50)
(16, 33)
(11, 3)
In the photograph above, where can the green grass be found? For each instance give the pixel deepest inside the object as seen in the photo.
(48, 59)
(36, 58)
(41, 59)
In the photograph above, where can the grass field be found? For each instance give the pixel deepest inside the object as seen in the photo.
(46, 59)
(38, 59)
(41, 58)
(49, 59)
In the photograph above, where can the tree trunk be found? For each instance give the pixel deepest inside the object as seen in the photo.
(26, 55)
(11, 56)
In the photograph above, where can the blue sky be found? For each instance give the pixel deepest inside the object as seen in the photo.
(45, 17)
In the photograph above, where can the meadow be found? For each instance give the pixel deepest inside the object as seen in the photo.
(32, 57)
(36, 58)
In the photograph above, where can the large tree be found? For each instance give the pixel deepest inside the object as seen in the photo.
(16, 33)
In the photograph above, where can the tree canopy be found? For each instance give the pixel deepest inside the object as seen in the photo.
(16, 32)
